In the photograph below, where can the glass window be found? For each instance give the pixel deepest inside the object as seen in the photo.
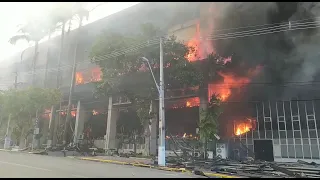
(296, 125)
(297, 141)
(283, 134)
(313, 141)
(299, 151)
(306, 150)
(282, 126)
(268, 125)
(311, 125)
(305, 141)
(291, 151)
(315, 151)
(284, 151)
(269, 135)
(297, 134)
(281, 119)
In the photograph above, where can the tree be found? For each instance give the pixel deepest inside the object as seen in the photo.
(32, 31)
(22, 105)
(127, 75)
(80, 11)
(209, 124)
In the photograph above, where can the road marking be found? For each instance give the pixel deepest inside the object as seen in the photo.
(22, 165)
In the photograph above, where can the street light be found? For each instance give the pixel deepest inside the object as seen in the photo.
(162, 144)
(154, 79)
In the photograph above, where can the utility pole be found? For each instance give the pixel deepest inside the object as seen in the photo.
(7, 138)
(162, 144)
(65, 133)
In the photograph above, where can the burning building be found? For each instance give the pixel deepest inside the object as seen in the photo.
(267, 88)
(263, 103)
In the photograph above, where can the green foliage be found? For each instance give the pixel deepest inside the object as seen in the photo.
(208, 125)
(128, 74)
(23, 104)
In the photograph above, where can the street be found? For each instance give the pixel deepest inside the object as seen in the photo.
(23, 165)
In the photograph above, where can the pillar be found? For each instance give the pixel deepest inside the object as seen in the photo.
(51, 126)
(44, 131)
(110, 137)
(80, 120)
(56, 126)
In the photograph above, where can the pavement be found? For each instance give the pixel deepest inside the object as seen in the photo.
(24, 165)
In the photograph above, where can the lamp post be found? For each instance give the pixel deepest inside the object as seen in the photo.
(160, 88)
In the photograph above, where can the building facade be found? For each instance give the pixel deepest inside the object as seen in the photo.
(289, 129)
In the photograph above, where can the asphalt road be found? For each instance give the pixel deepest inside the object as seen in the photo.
(22, 165)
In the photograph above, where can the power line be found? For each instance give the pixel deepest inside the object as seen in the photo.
(263, 33)
(286, 26)
(151, 42)
(155, 41)
(243, 27)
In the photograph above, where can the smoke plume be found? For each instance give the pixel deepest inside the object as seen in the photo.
(287, 56)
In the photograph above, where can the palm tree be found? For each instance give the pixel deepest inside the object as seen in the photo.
(61, 13)
(34, 32)
(81, 12)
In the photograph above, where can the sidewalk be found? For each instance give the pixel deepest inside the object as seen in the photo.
(143, 162)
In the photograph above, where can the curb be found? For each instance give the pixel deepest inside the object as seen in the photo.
(183, 170)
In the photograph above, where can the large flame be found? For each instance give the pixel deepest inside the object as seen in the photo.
(224, 88)
(94, 75)
(192, 102)
(244, 126)
(79, 78)
(201, 48)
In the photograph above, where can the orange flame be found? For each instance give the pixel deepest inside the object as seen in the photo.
(192, 102)
(201, 49)
(224, 88)
(79, 78)
(64, 113)
(93, 76)
(242, 127)
(96, 74)
(73, 113)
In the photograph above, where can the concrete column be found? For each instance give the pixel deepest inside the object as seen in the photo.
(51, 126)
(44, 131)
(56, 127)
(113, 114)
(80, 120)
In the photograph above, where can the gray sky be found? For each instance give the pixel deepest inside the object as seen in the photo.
(15, 13)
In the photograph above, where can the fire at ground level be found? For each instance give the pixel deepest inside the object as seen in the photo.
(272, 131)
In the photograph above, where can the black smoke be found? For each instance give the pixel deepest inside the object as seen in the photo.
(288, 56)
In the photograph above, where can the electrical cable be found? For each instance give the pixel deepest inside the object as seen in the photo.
(156, 41)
